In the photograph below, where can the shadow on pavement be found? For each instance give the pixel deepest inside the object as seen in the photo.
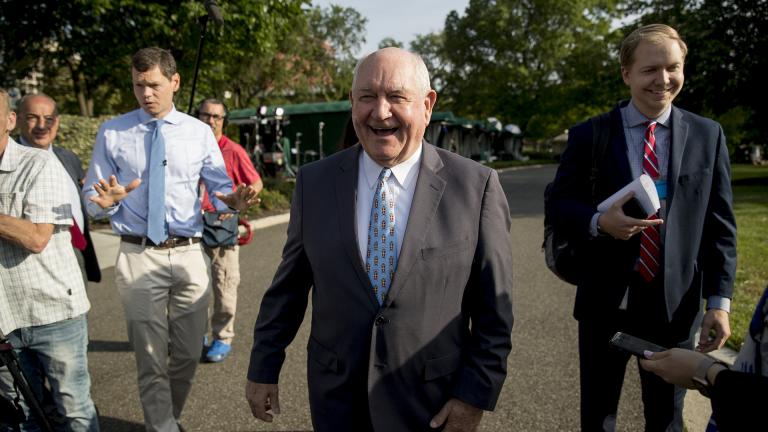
(109, 346)
(117, 425)
(525, 190)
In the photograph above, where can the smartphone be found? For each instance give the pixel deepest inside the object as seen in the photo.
(633, 209)
(634, 345)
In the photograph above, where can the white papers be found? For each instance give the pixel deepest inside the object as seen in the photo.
(645, 192)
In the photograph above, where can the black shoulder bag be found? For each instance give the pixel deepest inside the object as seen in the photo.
(560, 253)
(217, 232)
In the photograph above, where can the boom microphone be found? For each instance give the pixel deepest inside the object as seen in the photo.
(214, 12)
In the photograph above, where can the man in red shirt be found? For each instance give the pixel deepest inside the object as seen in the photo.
(225, 266)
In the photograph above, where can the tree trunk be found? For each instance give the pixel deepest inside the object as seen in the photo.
(88, 92)
(89, 106)
(77, 88)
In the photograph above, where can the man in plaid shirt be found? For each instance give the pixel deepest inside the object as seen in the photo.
(42, 295)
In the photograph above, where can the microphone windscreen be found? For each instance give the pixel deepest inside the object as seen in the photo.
(214, 12)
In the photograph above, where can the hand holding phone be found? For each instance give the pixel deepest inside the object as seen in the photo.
(634, 345)
(634, 209)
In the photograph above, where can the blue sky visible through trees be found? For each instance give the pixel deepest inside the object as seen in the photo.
(401, 20)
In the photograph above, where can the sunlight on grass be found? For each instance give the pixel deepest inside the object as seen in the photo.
(750, 203)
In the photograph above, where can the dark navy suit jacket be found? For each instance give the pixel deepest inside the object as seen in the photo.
(699, 251)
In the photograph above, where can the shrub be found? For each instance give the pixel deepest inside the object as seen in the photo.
(273, 200)
(78, 134)
(283, 186)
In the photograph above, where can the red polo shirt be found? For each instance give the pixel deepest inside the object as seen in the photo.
(239, 167)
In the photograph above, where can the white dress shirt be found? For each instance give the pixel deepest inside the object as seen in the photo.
(402, 183)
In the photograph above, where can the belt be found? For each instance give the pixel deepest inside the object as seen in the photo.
(170, 242)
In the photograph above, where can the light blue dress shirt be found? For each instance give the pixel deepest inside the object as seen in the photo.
(634, 132)
(122, 149)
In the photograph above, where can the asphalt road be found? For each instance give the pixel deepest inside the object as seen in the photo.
(541, 392)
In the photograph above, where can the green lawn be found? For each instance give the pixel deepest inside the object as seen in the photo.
(750, 203)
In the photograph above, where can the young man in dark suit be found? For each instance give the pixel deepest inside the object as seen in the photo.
(39, 125)
(648, 277)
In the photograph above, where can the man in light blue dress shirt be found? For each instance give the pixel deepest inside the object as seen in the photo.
(164, 284)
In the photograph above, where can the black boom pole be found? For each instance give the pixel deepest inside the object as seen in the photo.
(215, 13)
(9, 359)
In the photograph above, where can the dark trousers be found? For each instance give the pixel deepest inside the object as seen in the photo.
(602, 367)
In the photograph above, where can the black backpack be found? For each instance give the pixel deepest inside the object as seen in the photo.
(560, 253)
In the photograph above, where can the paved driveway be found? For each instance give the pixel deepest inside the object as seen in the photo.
(541, 392)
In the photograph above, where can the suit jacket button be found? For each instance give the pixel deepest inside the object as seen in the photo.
(380, 320)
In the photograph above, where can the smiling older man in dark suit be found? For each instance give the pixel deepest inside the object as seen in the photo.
(406, 250)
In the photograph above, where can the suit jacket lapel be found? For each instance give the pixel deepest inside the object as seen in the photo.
(426, 197)
(618, 152)
(66, 164)
(674, 294)
(346, 209)
(676, 149)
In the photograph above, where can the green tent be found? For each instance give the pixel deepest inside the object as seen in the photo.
(303, 121)
(309, 122)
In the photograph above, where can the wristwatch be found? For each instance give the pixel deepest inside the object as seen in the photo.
(700, 378)
(600, 231)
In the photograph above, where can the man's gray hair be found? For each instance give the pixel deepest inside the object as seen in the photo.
(420, 72)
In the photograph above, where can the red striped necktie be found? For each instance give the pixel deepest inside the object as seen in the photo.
(650, 238)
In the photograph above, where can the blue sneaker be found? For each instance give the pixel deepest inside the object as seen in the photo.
(218, 351)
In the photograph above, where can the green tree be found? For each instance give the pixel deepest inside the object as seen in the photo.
(87, 44)
(390, 42)
(311, 62)
(430, 48)
(725, 67)
(247, 56)
(341, 33)
(84, 40)
(538, 63)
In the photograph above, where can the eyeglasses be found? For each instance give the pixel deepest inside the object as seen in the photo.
(206, 116)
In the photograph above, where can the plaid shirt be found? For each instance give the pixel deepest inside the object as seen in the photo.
(37, 289)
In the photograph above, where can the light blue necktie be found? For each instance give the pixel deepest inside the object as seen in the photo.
(156, 230)
(381, 258)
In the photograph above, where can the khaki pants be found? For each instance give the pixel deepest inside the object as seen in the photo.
(225, 275)
(165, 295)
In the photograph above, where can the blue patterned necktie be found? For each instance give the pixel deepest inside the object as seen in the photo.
(381, 259)
(156, 230)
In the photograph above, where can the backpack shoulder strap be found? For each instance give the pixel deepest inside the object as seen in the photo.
(601, 136)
